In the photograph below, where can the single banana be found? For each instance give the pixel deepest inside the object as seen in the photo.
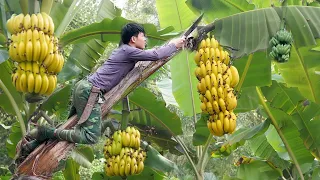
(54, 64)
(22, 51)
(44, 48)
(132, 140)
(221, 92)
(116, 169)
(208, 95)
(203, 106)
(18, 23)
(29, 50)
(208, 67)
(208, 43)
(36, 51)
(219, 127)
(214, 93)
(38, 83)
(203, 70)
(207, 54)
(10, 23)
(132, 165)
(45, 84)
(34, 22)
(215, 106)
(222, 104)
(207, 82)
(209, 107)
(35, 36)
(46, 24)
(23, 82)
(27, 21)
(212, 54)
(61, 63)
(226, 125)
(235, 76)
(40, 22)
(140, 167)
(51, 26)
(197, 58)
(31, 83)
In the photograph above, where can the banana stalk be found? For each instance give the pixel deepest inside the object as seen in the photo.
(46, 6)
(125, 113)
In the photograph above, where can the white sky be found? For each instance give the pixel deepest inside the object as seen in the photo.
(119, 3)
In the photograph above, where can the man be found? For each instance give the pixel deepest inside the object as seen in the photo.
(121, 61)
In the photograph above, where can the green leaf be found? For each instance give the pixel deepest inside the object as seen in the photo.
(147, 173)
(266, 4)
(5, 76)
(107, 10)
(299, 72)
(109, 30)
(257, 170)
(214, 9)
(184, 83)
(261, 148)
(165, 87)
(316, 174)
(290, 136)
(71, 170)
(160, 136)
(14, 137)
(14, 5)
(163, 118)
(248, 133)
(58, 101)
(247, 32)
(202, 133)
(3, 52)
(174, 13)
(83, 155)
(259, 70)
(248, 100)
(293, 2)
(83, 57)
(156, 161)
(292, 102)
(275, 141)
(63, 13)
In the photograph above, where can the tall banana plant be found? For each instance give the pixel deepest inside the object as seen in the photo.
(247, 35)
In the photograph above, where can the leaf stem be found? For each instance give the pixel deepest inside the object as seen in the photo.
(244, 73)
(188, 157)
(15, 107)
(125, 113)
(204, 153)
(276, 126)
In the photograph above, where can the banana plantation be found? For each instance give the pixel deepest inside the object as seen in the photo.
(240, 100)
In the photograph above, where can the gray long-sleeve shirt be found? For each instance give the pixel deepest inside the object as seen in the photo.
(122, 60)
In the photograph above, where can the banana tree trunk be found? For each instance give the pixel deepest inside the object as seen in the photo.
(45, 159)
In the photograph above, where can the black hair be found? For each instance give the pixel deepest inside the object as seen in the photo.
(129, 30)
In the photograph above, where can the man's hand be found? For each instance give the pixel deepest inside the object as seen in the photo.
(178, 42)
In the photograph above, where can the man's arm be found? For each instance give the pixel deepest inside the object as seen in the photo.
(153, 54)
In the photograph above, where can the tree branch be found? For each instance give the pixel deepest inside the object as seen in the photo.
(45, 159)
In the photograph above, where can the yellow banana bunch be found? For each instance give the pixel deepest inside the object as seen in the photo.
(217, 78)
(123, 154)
(34, 47)
(41, 22)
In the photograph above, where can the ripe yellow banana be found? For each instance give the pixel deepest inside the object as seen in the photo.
(203, 107)
(44, 49)
(36, 51)
(12, 52)
(235, 76)
(207, 54)
(35, 36)
(198, 73)
(209, 125)
(132, 165)
(31, 83)
(29, 51)
(46, 24)
(23, 82)
(203, 44)
(213, 43)
(22, 51)
(51, 26)
(226, 125)
(203, 70)
(18, 23)
(209, 108)
(214, 68)
(132, 140)
(45, 84)
(208, 95)
(27, 21)
(214, 93)
(219, 127)
(40, 22)
(220, 80)
(208, 43)
(221, 92)
(14, 38)
(222, 56)
(213, 80)
(208, 82)
(197, 58)
(48, 61)
(35, 68)
(212, 54)
(215, 106)
(34, 22)
(127, 167)
(54, 64)
(222, 104)
(10, 23)
(217, 55)
(125, 139)
(61, 63)
(116, 169)
(201, 51)
(38, 83)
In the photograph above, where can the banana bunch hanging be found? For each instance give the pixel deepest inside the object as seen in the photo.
(35, 52)
(281, 46)
(123, 154)
(216, 81)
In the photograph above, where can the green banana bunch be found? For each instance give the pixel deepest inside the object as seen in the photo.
(281, 45)
(123, 154)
